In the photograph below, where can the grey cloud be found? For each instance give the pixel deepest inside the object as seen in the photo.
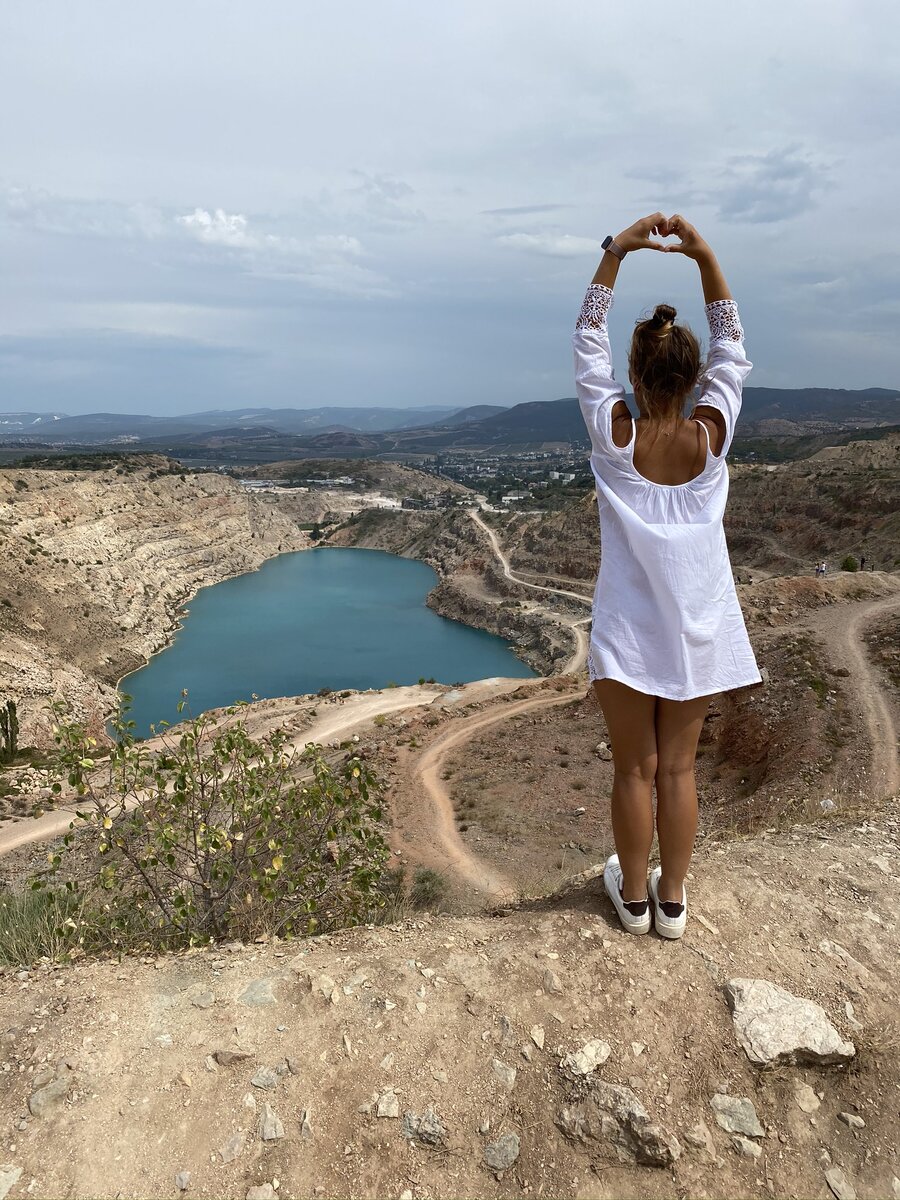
(523, 210)
(553, 245)
(770, 187)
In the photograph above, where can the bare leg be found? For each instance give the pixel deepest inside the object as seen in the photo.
(678, 725)
(630, 720)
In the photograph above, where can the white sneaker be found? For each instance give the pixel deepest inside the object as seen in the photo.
(666, 926)
(612, 881)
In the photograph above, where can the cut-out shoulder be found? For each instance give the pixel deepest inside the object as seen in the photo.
(715, 423)
(622, 424)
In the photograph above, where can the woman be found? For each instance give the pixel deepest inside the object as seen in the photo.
(667, 629)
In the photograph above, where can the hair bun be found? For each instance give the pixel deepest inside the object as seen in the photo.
(663, 314)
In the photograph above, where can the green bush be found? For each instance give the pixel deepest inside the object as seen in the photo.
(217, 835)
(428, 889)
(48, 923)
(849, 564)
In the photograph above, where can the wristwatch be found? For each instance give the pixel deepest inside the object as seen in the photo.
(613, 247)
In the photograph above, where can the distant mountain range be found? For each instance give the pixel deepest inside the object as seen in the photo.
(276, 433)
(92, 427)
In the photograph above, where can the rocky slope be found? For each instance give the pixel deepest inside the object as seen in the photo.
(440, 1056)
(95, 564)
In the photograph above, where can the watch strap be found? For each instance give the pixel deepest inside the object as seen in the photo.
(613, 247)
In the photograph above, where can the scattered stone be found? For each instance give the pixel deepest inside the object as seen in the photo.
(840, 1184)
(895, 1187)
(580, 811)
(306, 1130)
(257, 992)
(612, 1113)
(506, 1075)
(700, 1138)
(882, 863)
(745, 1147)
(164, 1040)
(501, 1155)
(637, 1049)
(182, 1179)
(551, 982)
(203, 1000)
(232, 1148)
(603, 752)
(807, 1100)
(266, 1079)
(270, 1126)
(773, 1025)
(9, 1177)
(325, 986)
(852, 1120)
(227, 1058)
(537, 1036)
(52, 1089)
(850, 1014)
(736, 1114)
(428, 1127)
(265, 1191)
(387, 1105)
(591, 1056)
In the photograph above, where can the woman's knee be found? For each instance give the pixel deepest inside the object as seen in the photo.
(641, 771)
(671, 773)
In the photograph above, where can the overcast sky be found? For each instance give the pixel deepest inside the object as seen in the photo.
(225, 203)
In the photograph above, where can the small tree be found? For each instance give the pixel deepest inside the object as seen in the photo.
(219, 835)
(849, 564)
(9, 732)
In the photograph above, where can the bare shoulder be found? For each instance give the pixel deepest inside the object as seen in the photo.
(621, 424)
(714, 422)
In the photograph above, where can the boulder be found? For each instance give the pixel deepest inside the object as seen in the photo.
(773, 1025)
(612, 1113)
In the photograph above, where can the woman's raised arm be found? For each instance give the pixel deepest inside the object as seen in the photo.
(693, 245)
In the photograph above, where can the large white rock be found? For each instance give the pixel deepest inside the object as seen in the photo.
(773, 1025)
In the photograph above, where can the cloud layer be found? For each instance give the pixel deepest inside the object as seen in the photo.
(390, 204)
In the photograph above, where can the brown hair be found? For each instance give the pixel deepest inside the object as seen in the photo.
(664, 365)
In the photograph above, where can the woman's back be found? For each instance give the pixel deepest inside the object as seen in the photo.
(669, 457)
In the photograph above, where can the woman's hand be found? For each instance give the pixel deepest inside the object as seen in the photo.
(637, 236)
(691, 243)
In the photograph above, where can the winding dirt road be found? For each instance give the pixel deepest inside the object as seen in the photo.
(844, 630)
(427, 772)
(578, 660)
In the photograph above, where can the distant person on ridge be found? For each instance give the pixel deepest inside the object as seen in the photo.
(667, 630)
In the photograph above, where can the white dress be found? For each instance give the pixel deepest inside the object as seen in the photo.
(666, 617)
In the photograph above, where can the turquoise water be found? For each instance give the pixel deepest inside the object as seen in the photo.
(336, 618)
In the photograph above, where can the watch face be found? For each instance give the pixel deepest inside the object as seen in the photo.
(606, 242)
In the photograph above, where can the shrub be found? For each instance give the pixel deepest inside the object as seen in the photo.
(849, 564)
(216, 836)
(428, 889)
(9, 732)
(35, 924)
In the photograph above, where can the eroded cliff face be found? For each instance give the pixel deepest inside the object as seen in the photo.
(94, 565)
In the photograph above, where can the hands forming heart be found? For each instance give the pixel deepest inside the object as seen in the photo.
(637, 236)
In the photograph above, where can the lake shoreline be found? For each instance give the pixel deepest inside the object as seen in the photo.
(281, 645)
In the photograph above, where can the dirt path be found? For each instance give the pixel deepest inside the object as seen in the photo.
(843, 630)
(339, 721)
(578, 660)
(439, 821)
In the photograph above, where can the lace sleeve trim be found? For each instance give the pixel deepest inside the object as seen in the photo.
(724, 321)
(597, 303)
